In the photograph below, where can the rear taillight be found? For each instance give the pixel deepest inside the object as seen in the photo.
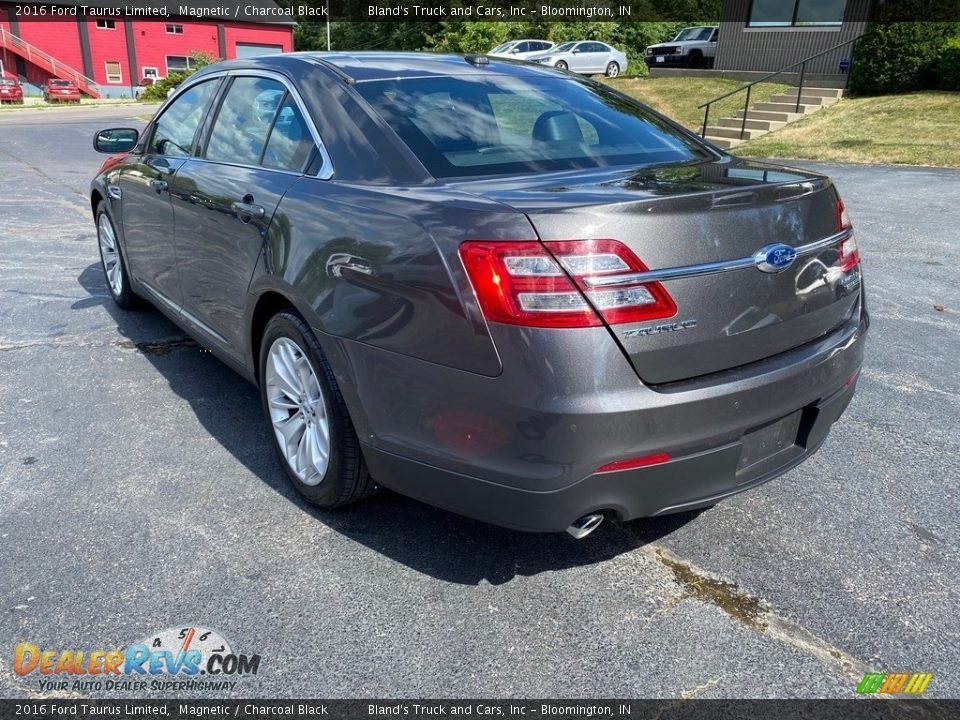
(541, 284)
(849, 252)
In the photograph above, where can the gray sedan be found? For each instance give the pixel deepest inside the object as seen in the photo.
(509, 292)
(587, 57)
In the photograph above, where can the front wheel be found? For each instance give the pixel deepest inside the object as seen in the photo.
(315, 439)
(112, 261)
(613, 69)
(561, 65)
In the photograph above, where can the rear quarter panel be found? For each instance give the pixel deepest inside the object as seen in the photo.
(380, 266)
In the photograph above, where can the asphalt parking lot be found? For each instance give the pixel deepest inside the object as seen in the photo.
(140, 492)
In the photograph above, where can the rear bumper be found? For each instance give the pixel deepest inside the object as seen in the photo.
(521, 450)
(684, 483)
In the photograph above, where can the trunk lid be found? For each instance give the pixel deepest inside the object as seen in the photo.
(712, 212)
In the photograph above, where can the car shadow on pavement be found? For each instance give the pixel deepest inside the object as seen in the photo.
(435, 542)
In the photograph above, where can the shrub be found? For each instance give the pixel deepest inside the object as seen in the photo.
(898, 57)
(159, 90)
(948, 66)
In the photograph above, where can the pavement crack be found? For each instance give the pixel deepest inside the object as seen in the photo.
(158, 347)
(757, 614)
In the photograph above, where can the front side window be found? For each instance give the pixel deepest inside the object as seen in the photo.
(243, 123)
(796, 13)
(483, 126)
(174, 132)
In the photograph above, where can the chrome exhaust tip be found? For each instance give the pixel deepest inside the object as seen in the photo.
(585, 525)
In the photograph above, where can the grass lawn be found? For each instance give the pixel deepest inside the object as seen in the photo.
(916, 129)
(678, 97)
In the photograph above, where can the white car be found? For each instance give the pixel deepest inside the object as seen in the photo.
(521, 49)
(693, 47)
(587, 57)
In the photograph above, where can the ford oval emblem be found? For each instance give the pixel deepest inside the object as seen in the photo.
(774, 258)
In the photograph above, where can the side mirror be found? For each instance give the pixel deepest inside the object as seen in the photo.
(116, 140)
(575, 51)
(514, 51)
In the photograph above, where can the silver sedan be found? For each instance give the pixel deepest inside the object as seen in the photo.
(587, 57)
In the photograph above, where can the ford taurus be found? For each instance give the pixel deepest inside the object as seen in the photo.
(504, 290)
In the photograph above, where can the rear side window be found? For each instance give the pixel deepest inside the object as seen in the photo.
(495, 125)
(290, 143)
(175, 129)
(244, 120)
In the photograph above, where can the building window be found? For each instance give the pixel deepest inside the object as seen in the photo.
(107, 24)
(150, 72)
(178, 63)
(175, 29)
(796, 13)
(114, 72)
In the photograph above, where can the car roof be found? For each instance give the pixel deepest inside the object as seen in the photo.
(371, 65)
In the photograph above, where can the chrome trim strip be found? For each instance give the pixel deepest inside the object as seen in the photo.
(685, 271)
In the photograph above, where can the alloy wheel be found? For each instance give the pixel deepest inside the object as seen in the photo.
(297, 411)
(110, 255)
(613, 70)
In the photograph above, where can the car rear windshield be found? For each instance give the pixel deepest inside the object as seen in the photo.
(500, 125)
(5, 81)
(61, 83)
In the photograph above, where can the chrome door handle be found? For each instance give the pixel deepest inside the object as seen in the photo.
(248, 211)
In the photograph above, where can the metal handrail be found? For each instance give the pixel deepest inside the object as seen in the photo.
(33, 53)
(802, 64)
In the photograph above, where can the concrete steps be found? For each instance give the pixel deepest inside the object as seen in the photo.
(751, 123)
(770, 115)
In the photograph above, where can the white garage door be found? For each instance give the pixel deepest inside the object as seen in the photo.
(247, 50)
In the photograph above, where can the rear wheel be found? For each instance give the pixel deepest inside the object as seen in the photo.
(315, 439)
(112, 261)
(561, 65)
(613, 69)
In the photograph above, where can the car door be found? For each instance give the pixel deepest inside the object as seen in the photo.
(578, 59)
(146, 212)
(259, 143)
(598, 55)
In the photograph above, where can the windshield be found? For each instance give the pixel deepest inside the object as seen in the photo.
(562, 47)
(502, 47)
(499, 125)
(6, 81)
(697, 33)
(61, 83)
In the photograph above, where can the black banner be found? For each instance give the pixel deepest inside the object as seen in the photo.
(298, 11)
(854, 709)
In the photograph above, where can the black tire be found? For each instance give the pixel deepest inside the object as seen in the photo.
(561, 65)
(346, 479)
(695, 59)
(126, 298)
(613, 69)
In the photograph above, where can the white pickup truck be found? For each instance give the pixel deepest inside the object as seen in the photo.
(693, 47)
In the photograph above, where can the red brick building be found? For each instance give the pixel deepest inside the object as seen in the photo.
(110, 56)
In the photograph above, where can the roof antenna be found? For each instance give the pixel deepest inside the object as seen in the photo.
(475, 59)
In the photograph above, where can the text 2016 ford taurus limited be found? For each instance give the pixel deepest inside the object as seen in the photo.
(498, 288)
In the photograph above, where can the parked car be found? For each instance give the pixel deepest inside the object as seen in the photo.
(512, 293)
(692, 47)
(57, 90)
(586, 57)
(521, 49)
(11, 91)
